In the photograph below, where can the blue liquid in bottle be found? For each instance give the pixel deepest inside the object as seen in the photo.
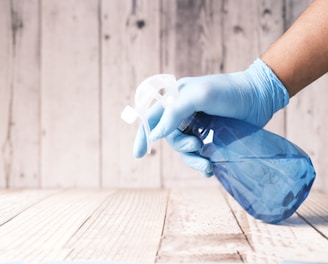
(266, 174)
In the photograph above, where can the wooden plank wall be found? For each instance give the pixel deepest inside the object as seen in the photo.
(67, 69)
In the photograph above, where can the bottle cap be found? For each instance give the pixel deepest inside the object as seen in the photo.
(160, 87)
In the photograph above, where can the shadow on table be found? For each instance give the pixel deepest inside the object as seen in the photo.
(299, 220)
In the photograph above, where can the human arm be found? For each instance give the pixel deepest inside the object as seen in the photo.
(300, 55)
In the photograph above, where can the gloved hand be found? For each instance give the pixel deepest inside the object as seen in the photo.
(253, 95)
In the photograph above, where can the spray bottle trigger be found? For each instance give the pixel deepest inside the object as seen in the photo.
(162, 88)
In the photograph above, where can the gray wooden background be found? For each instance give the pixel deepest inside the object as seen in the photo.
(67, 69)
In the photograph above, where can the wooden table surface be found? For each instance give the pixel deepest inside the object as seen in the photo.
(195, 225)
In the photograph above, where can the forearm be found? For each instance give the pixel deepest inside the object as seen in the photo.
(300, 56)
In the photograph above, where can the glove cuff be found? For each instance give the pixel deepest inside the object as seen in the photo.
(271, 93)
(279, 89)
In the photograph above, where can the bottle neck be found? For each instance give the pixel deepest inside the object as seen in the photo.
(196, 125)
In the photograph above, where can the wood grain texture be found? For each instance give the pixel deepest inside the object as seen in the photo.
(15, 202)
(130, 53)
(6, 67)
(40, 232)
(200, 228)
(191, 37)
(70, 94)
(20, 90)
(25, 116)
(126, 228)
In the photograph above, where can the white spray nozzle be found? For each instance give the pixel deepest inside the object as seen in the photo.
(162, 88)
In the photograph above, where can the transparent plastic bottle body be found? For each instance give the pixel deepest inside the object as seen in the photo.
(266, 174)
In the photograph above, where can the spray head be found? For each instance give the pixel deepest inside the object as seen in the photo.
(160, 87)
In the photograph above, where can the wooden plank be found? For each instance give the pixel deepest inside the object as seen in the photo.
(14, 202)
(191, 37)
(6, 66)
(200, 228)
(70, 93)
(126, 228)
(40, 232)
(19, 74)
(241, 34)
(307, 114)
(25, 123)
(130, 53)
(191, 46)
(291, 240)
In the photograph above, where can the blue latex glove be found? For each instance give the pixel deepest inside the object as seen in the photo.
(253, 95)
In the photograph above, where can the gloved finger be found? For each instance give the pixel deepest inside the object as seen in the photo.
(194, 161)
(184, 143)
(140, 142)
(172, 117)
(174, 114)
(181, 83)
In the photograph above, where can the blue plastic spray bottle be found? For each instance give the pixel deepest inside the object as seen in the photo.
(266, 174)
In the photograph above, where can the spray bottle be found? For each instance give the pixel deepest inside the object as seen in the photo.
(266, 174)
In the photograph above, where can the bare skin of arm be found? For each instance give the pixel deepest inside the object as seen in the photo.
(300, 56)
